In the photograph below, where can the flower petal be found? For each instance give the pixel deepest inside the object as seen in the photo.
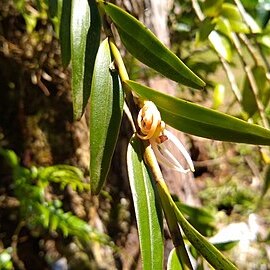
(181, 148)
(166, 161)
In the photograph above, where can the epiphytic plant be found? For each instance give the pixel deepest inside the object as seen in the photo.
(98, 72)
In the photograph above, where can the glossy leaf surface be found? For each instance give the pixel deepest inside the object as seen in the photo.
(147, 209)
(106, 109)
(197, 120)
(85, 38)
(146, 47)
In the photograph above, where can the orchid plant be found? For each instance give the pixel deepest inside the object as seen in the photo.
(98, 72)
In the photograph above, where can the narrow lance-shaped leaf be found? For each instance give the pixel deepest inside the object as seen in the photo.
(64, 34)
(85, 38)
(53, 8)
(266, 183)
(207, 250)
(146, 47)
(200, 121)
(106, 108)
(231, 12)
(249, 103)
(221, 45)
(147, 208)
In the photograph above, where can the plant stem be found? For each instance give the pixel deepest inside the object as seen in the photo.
(14, 243)
(244, 17)
(251, 79)
(170, 216)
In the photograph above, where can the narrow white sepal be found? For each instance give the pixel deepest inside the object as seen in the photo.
(166, 161)
(181, 148)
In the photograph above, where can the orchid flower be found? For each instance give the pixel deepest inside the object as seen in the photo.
(152, 128)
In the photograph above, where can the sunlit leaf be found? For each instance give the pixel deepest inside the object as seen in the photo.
(221, 44)
(197, 120)
(106, 108)
(218, 95)
(85, 38)
(173, 261)
(223, 26)
(147, 208)
(231, 12)
(212, 8)
(264, 40)
(145, 46)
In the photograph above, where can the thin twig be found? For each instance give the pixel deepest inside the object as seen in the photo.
(244, 17)
(251, 49)
(251, 79)
(151, 161)
(224, 63)
(14, 244)
(231, 78)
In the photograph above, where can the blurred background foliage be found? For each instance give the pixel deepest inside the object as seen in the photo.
(48, 218)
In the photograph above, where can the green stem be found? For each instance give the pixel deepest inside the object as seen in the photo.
(170, 216)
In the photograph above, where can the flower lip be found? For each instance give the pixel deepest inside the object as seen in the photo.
(152, 128)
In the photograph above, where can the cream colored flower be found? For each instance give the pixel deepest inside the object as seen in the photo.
(149, 121)
(153, 129)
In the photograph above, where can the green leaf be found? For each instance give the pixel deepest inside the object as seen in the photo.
(223, 26)
(64, 175)
(145, 46)
(85, 38)
(147, 208)
(218, 95)
(64, 34)
(212, 7)
(173, 261)
(54, 222)
(53, 8)
(249, 103)
(266, 183)
(200, 219)
(205, 29)
(224, 246)
(106, 108)
(264, 40)
(221, 45)
(231, 12)
(200, 121)
(208, 251)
